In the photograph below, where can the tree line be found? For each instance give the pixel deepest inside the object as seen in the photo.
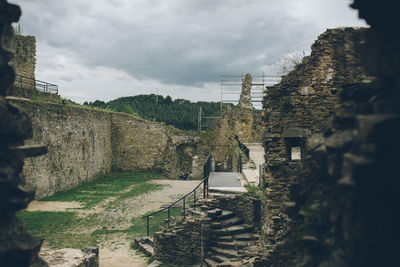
(181, 113)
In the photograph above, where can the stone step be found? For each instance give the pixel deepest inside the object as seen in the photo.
(224, 245)
(219, 258)
(224, 215)
(233, 230)
(195, 212)
(214, 213)
(204, 208)
(210, 263)
(246, 237)
(217, 238)
(231, 245)
(145, 244)
(229, 253)
(227, 222)
(230, 264)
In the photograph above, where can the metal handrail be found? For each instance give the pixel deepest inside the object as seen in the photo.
(206, 175)
(243, 147)
(46, 87)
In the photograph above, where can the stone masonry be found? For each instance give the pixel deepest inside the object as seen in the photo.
(349, 195)
(24, 59)
(294, 110)
(86, 143)
(240, 121)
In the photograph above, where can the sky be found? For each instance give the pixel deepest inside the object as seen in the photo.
(105, 49)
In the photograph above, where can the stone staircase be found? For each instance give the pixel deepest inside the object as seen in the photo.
(230, 236)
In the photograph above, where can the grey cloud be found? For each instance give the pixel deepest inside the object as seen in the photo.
(183, 42)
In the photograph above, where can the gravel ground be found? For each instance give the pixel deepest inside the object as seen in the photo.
(115, 249)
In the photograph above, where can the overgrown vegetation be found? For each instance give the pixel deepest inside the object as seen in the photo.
(181, 113)
(18, 29)
(289, 62)
(253, 191)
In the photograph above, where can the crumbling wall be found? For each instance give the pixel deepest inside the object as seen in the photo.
(79, 144)
(139, 145)
(24, 64)
(294, 110)
(86, 143)
(240, 122)
(350, 188)
(181, 245)
(17, 247)
(24, 59)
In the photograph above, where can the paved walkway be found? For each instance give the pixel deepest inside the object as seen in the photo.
(227, 182)
(256, 155)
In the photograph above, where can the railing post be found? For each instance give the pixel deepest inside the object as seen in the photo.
(169, 214)
(204, 190)
(194, 197)
(184, 208)
(148, 228)
(207, 185)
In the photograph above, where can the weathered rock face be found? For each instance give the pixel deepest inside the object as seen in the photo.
(17, 248)
(245, 95)
(294, 110)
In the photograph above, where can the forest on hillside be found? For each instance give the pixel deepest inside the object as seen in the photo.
(181, 113)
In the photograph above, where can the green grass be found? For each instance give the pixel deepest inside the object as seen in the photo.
(55, 228)
(110, 185)
(67, 229)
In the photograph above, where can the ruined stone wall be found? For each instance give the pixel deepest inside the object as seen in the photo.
(79, 144)
(350, 187)
(295, 109)
(24, 64)
(139, 145)
(86, 143)
(307, 96)
(182, 245)
(245, 207)
(240, 121)
(24, 59)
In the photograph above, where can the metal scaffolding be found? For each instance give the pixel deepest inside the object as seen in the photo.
(231, 87)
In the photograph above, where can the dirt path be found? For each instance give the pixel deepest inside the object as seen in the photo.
(116, 251)
(115, 248)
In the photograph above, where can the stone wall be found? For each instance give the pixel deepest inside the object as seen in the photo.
(85, 143)
(245, 207)
(139, 145)
(350, 186)
(78, 141)
(24, 59)
(240, 121)
(182, 245)
(24, 64)
(294, 110)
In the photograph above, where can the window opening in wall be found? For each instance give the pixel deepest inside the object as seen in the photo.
(296, 153)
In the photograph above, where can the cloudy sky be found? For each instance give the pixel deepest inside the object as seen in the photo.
(104, 49)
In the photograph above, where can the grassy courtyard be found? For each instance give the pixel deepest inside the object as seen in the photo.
(106, 212)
